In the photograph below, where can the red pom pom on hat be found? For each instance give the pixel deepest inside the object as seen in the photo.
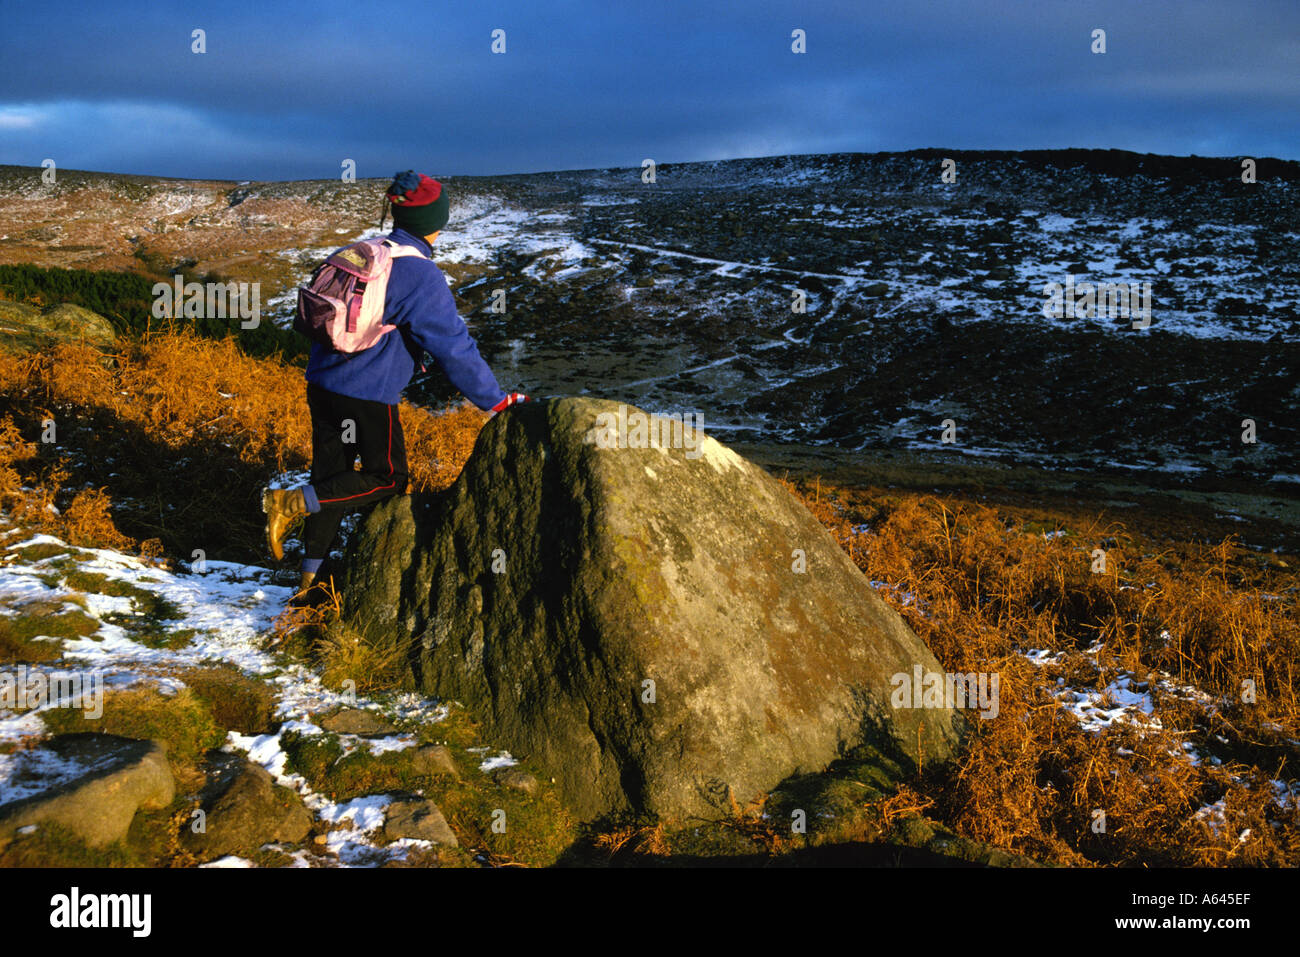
(408, 190)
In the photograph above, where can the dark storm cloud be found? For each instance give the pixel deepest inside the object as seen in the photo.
(289, 91)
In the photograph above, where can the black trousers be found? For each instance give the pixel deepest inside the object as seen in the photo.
(343, 428)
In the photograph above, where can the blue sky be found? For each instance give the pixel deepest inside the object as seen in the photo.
(291, 90)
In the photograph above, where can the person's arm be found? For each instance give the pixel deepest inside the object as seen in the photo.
(435, 326)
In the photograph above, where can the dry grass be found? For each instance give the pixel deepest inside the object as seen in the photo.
(86, 520)
(642, 839)
(315, 630)
(905, 801)
(345, 655)
(980, 591)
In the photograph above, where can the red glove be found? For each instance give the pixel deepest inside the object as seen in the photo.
(509, 400)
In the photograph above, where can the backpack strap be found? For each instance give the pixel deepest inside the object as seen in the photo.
(354, 304)
(400, 250)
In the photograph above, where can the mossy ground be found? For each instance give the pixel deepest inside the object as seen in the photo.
(53, 845)
(493, 823)
(151, 613)
(236, 701)
(33, 631)
(180, 720)
(40, 552)
(151, 841)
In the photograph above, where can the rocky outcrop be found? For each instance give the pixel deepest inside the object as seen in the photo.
(23, 327)
(90, 783)
(655, 622)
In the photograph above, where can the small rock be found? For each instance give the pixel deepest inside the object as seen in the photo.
(420, 819)
(517, 779)
(356, 721)
(243, 809)
(435, 759)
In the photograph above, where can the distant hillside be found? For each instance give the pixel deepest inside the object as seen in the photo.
(923, 300)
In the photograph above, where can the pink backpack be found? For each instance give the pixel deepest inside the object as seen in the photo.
(343, 305)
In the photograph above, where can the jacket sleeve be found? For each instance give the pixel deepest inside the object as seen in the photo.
(434, 325)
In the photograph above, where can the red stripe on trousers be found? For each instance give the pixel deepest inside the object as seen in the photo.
(377, 488)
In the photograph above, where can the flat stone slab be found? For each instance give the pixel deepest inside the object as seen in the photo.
(419, 819)
(356, 721)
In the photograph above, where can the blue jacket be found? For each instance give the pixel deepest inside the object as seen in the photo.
(420, 304)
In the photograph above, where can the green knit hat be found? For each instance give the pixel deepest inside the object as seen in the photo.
(419, 203)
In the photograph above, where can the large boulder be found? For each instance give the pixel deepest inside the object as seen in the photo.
(661, 628)
(90, 783)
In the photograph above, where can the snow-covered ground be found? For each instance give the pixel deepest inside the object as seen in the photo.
(231, 609)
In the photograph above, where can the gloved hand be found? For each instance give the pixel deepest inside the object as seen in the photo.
(511, 399)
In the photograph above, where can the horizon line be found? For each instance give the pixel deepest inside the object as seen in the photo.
(669, 163)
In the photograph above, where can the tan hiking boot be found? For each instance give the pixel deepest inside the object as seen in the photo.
(306, 581)
(283, 507)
